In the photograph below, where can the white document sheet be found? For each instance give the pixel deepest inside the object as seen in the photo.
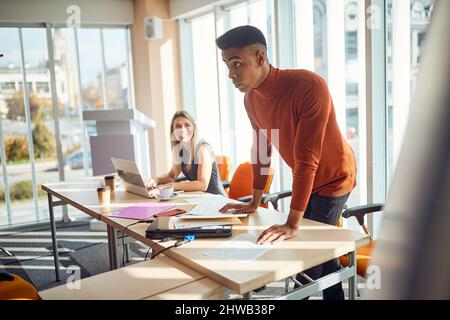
(208, 207)
(242, 248)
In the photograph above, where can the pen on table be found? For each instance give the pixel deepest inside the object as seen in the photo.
(193, 206)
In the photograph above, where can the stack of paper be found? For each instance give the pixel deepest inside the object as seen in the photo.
(205, 213)
(208, 207)
(187, 223)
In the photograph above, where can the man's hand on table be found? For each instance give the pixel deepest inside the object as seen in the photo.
(278, 233)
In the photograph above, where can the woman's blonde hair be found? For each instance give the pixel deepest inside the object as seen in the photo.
(188, 155)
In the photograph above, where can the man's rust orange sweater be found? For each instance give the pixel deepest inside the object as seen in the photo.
(298, 104)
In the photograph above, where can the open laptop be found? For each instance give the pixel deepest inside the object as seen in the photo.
(132, 179)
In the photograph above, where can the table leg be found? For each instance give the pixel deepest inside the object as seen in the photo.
(112, 246)
(247, 296)
(352, 281)
(53, 231)
(286, 285)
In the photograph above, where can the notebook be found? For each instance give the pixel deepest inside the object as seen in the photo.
(141, 211)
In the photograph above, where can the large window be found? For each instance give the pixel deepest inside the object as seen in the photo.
(313, 19)
(353, 105)
(74, 136)
(41, 117)
(116, 72)
(205, 79)
(17, 192)
(320, 38)
(220, 114)
(258, 14)
(86, 61)
(242, 130)
(91, 67)
(407, 24)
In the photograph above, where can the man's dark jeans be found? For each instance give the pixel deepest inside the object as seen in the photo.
(326, 210)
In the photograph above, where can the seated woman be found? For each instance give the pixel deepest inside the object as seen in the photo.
(191, 156)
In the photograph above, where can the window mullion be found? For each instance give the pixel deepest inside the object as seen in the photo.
(80, 94)
(104, 73)
(5, 173)
(26, 101)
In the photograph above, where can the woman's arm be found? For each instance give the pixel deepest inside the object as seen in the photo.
(171, 176)
(166, 178)
(203, 174)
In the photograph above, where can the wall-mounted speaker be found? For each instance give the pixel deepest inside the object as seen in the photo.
(153, 28)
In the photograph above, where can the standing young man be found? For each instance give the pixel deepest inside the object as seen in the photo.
(296, 105)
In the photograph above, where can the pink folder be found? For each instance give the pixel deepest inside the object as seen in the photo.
(141, 211)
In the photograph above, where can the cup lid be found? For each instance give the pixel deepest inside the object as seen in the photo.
(103, 188)
(110, 177)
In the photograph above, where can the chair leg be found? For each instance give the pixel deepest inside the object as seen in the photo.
(127, 252)
(286, 285)
(274, 204)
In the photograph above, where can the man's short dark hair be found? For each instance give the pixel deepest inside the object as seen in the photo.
(241, 37)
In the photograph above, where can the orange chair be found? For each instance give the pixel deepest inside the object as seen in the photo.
(224, 166)
(363, 254)
(241, 185)
(13, 287)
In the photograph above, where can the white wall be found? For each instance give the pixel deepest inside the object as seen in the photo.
(117, 12)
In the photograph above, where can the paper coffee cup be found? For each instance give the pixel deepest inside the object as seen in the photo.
(104, 195)
(110, 181)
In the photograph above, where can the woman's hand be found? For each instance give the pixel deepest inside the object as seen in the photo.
(152, 183)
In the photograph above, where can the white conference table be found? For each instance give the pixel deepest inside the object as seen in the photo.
(315, 243)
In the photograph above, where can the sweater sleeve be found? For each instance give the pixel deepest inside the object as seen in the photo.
(314, 112)
(261, 155)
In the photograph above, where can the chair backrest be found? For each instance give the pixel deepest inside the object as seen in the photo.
(241, 185)
(13, 287)
(359, 213)
(224, 166)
